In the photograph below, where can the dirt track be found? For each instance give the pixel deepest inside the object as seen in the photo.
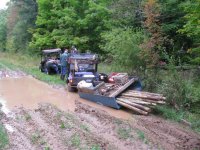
(88, 127)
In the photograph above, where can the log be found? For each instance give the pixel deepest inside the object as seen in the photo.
(121, 89)
(138, 100)
(149, 93)
(144, 99)
(133, 108)
(143, 96)
(135, 104)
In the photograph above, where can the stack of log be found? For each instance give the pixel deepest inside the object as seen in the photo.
(140, 102)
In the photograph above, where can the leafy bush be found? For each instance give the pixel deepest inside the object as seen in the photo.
(123, 47)
(180, 93)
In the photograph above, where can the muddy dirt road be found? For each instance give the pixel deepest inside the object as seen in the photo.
(64, 121)
(28, 92)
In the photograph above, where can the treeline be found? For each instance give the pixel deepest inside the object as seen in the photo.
(128, 32)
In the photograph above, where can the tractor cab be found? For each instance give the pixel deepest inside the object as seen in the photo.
(81, 67)
(50, 61)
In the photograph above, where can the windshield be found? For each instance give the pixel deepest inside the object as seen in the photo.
(84, 67)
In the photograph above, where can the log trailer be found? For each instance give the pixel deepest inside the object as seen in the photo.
(122, 91)
(119, 90)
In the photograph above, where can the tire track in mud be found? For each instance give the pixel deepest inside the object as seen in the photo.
(107, 127)
(42, 129)
(168, 135)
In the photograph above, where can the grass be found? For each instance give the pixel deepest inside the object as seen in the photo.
(124, 133)
(27, 117)
(28, 64)
(141, 136)
(95, 147)
(3, 137)
(104, 68)
(84, 127)
(171, 114)
(75, 141)
(62, 126)
(35, 138)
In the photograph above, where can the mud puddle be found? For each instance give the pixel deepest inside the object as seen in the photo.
(29, 92)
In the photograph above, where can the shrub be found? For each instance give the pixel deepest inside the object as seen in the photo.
(180, 93)
(123, 47)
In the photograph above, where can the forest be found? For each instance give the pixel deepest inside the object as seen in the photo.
(158, 40)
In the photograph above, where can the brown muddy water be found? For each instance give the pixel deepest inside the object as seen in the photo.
(29, 92)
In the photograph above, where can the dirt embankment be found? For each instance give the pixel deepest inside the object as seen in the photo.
(88, 127)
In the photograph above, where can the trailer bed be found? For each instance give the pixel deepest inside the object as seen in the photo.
(107, 100)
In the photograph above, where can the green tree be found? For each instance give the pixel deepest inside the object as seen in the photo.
(192, 28)
(123, 47)
(20, 19)
(70, 22)
(126, 13)
(3, 29)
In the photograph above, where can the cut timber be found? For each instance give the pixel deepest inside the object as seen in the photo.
(148, 93)
(121, 89)
(136, 101)
(141, 101)
(133, 108)
(143, 96)
(134, 104)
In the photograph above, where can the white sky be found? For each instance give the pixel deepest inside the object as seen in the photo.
(3, 3)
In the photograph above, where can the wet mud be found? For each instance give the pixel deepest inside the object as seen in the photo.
(38, 116)
(29, 92)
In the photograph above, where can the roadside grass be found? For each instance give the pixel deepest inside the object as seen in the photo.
(29, 65)
(84, 127)
(141, 136)
(124, 133)
(104, 68)
(3, 137)
(27, 117)
(76, 141)
(95, 147)
(177, 116)
(35, 137)
(62, 125)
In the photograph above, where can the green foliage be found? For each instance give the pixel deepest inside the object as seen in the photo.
(180, 93)
(3, 137)
(172, 114)
(141, 135)
(124, 133)
(3, 29)
(96, 147)
(30, 66)
(123, 47)
(192, 28)
(20, 19)
(76, 141)
(66, 23)
(169, 113)
(126, 13)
